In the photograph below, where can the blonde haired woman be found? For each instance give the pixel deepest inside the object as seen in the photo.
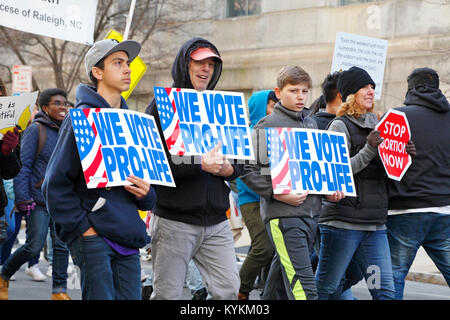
(355, 227)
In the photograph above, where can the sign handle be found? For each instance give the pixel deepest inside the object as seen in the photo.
(129, 19)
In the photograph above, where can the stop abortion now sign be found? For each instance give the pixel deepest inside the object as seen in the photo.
(394, 129)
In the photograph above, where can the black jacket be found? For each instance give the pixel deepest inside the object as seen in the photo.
(199, 198)
(427, 181)
(323, 118)
(371, 204)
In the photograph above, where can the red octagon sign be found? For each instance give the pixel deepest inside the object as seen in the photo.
(395, 131)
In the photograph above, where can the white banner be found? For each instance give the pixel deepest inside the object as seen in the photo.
(71, 20)
(363, 52)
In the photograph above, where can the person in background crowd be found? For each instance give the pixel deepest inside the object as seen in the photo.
(190, 221)
(419, 204)
(9, 167)
(28, 195)
(333, 100)
(258, 259)
(102, 226)
(15, 223)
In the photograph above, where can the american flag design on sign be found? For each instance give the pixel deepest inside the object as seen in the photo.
(89, 148)
(279, 160)
(169, 120)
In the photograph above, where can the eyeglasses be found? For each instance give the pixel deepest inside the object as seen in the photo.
(60, 103)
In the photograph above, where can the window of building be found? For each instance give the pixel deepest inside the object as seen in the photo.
(348, 2)
(238, 8)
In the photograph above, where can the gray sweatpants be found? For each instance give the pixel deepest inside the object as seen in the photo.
(175, 243)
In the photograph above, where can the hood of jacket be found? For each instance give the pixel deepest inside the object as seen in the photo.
(427, 97)
(257, 106)
(41, 117)
(87, 96)
(180, 67)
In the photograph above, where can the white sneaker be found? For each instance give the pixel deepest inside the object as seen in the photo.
(12, 278)
(144, 276)
(35, 273)
(49, 271)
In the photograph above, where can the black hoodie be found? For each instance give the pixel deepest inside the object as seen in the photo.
(199, 198)
(427, 181)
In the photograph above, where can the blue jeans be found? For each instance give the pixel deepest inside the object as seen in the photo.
(407, 232)
(369, 249)
(37, 228)
(5, 249)
(104, 273)
(194, 279)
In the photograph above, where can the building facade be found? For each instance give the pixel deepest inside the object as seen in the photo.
(258, 37)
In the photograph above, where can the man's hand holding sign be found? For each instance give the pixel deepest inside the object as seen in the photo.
(216, 163)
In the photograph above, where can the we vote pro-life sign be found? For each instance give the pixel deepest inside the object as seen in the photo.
(114, 143)
(307, 159)
(194, 122)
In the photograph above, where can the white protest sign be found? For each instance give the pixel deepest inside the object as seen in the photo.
(70, 20)
(16, 110)
(363, 52)
(22, 76)
(193, 122)
(114, 143)
(307, 159)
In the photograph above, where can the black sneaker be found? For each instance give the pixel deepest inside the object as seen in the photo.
(146, 292)
(200, 294)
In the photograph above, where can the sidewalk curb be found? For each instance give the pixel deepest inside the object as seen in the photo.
(427, 277)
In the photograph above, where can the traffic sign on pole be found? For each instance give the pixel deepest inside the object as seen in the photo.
(22, 76)
(137, 66)
(394, 129)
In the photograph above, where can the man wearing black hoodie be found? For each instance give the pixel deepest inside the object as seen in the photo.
(419, 204)
(190, 220)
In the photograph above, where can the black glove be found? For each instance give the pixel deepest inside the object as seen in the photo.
(411, 148)
(374, 139)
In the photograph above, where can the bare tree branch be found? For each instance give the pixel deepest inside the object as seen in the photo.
(65, 58)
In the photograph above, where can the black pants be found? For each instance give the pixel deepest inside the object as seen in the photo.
(293, 239)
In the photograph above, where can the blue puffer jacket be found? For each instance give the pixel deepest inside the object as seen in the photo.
(257, 107)
(27, 184)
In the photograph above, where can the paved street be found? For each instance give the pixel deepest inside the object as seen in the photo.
(26, 289)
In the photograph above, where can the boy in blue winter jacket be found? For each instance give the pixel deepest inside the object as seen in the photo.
(102, 226)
